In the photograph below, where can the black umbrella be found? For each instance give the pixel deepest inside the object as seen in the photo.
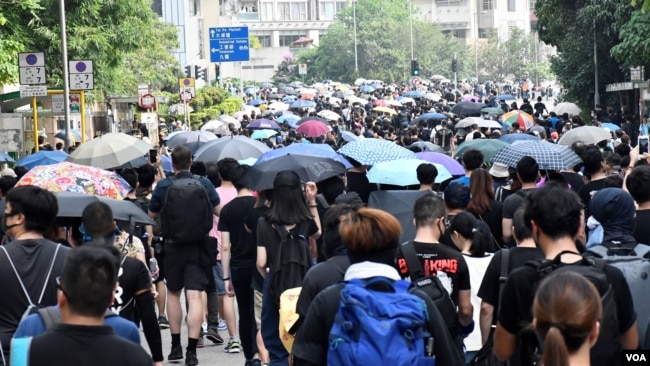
(274, 96)
(399, 204)
(312, 118)
(135, 163)
(72, 205)
(467, 108)
(309, 168)
(339, 95)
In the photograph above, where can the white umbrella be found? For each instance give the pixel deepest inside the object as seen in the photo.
(334, 100)
(213, 125)
(329, 115)
(229, 119)
(406, 100)
(486, 123)
(109, 150)
(468, 122)
(589, 135)
(566, 107)
(394, 103)
(278, 106)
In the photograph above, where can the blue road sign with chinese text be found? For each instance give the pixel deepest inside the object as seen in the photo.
(229, 44)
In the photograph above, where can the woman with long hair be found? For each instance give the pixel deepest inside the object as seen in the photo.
(483, 205)
(466, 236)
(293, 207)
(567, 312)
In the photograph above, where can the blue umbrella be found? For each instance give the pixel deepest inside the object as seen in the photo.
(505, 97)
(263, 123)
(403, 172)
(414, 94)
(263, 134)
(512, 137)
(612, 127)
(376, 85)
(374, 151)
(547, 155)
(256, 102)
(317, 150)
(166, 163)
(303, 104)
(367, 89)
(42, 157)
(289, 98)
(4, 158)
(250, 91)
(76, 134)
(432, 116)
(288, 118)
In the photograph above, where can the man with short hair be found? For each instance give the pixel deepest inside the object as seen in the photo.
(181, 267)
(594, 166)
(427, 174)
(555, 216)
(29, 213)
(444, 136)
(85, 288)
(637, 183)
(472, 160)
(527, 173)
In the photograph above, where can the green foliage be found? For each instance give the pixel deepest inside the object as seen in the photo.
(383, 46)
(14, 34)
(634, 48)
(254, 42)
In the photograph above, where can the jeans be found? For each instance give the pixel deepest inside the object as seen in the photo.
(270, 332)
(242, 278)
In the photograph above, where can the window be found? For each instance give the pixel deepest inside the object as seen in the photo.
(264, 37)
(156, 6)
(194, 7)
(292, 11)
(532, 4)
(267, 12)
(483, 32)
(448, 2)
(456, 33)
(288, 37)
(512, 5)
(488, 5)
(327, 10)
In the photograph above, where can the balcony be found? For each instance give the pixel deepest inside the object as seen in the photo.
(248, 17)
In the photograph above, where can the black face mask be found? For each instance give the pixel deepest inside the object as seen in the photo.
(3, 224)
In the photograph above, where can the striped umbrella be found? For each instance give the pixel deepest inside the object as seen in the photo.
(524, 119)
(547, 155)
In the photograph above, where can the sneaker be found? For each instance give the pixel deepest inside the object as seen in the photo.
(199, 343)
(213, 336)
(163, 323)
(190, 358)
(232, 347)
(222, 325)
(176, 353)
(253, 362)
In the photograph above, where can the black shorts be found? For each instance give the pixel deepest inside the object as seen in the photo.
(183, 268)
(161, 267)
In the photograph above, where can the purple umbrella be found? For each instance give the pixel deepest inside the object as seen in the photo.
(452, 165)
(263, 123)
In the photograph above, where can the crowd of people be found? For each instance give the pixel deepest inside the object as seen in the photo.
(502, 263)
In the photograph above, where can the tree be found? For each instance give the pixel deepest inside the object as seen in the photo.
(383, 45)
(14, 33)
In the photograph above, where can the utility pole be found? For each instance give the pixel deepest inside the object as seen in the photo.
(354, 16)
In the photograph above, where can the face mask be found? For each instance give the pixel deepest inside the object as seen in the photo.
(3, 225)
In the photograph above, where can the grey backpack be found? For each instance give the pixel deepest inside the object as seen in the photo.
(636, 268)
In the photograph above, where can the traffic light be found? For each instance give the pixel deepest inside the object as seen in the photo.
(217, 71)
(454, 65)
(188, 71)
(415, 68)
(198, 72)
(205, 74)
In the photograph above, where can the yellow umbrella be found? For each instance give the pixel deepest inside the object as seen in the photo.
(384, 110)
(342, 87)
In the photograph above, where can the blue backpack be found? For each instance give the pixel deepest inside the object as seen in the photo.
(375, 327)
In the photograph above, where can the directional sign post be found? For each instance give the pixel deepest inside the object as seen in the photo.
(229, 44)
(81, 75)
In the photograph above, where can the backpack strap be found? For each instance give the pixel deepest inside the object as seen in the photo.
(20, 281)
(20, 351)
(412, 261)
(50, 316)
(503, 277)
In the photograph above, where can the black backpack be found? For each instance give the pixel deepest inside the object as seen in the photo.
(186, 216)
(291, 262)
(431, 286)
(607, 350)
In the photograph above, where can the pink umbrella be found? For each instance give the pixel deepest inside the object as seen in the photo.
(313, 128)
(471, 98)
(381, 103)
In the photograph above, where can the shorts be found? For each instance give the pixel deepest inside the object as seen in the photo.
(182, 268)
(258, 308)
(217, 272)
(161, 267)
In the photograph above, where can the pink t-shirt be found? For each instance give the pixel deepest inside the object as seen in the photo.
(225, 195)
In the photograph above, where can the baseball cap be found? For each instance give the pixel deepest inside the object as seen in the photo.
(286, 179)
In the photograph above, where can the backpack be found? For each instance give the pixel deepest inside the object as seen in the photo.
(186, 216)
(374, 327)
(52, 317)
(291, 263)
(636, 270)
(431, 286)
(607, 350)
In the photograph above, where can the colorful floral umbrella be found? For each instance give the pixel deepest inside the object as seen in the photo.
(524, 119)
(70, 177)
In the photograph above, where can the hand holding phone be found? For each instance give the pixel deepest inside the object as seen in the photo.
(643, 145)
(153, 156)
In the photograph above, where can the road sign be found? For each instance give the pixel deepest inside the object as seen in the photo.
(229, 44)
(186, 82)
(189, 89)
(81, 75)
(58, 105)
(28, 59)
(302, 69)
(186, 96)
(32, 75)
(147, 101)
(33, 91)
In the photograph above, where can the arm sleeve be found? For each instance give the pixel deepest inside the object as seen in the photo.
(212, 192)
(144, 304)
(511, 316)
(489, 290)
(400, 263)
(463, 272)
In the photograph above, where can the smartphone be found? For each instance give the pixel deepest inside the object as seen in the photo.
(643, 144)
(153, 155)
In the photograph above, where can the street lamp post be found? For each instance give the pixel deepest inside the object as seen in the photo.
(411, 24)
(354, 16)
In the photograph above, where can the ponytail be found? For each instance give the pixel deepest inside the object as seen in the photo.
(467, 226)
(555, 349)
(479, 244)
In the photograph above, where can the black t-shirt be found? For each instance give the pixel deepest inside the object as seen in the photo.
(268, 237)
(439, 260)
(642, 228)
(512, 203)
(443, 138)
(319, 278)
(232, 219)
(493, 217)
(69, 344)
(133, 278)
(32, 259)
(539, 107)
(526, 107)
(311, 344)
(574, 179)
(517, 257)
(251, 224)
(516, 314)
(588, 190)
(358, 182)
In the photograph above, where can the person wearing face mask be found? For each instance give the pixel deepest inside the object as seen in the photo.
(29, 263)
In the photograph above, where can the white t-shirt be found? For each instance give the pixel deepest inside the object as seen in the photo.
(477, 268)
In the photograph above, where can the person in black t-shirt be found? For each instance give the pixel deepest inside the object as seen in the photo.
(638, 181)
(594, 165)
(526, 107)
(86, 287)
(527, 172)
(555, 216)
(540, 108)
